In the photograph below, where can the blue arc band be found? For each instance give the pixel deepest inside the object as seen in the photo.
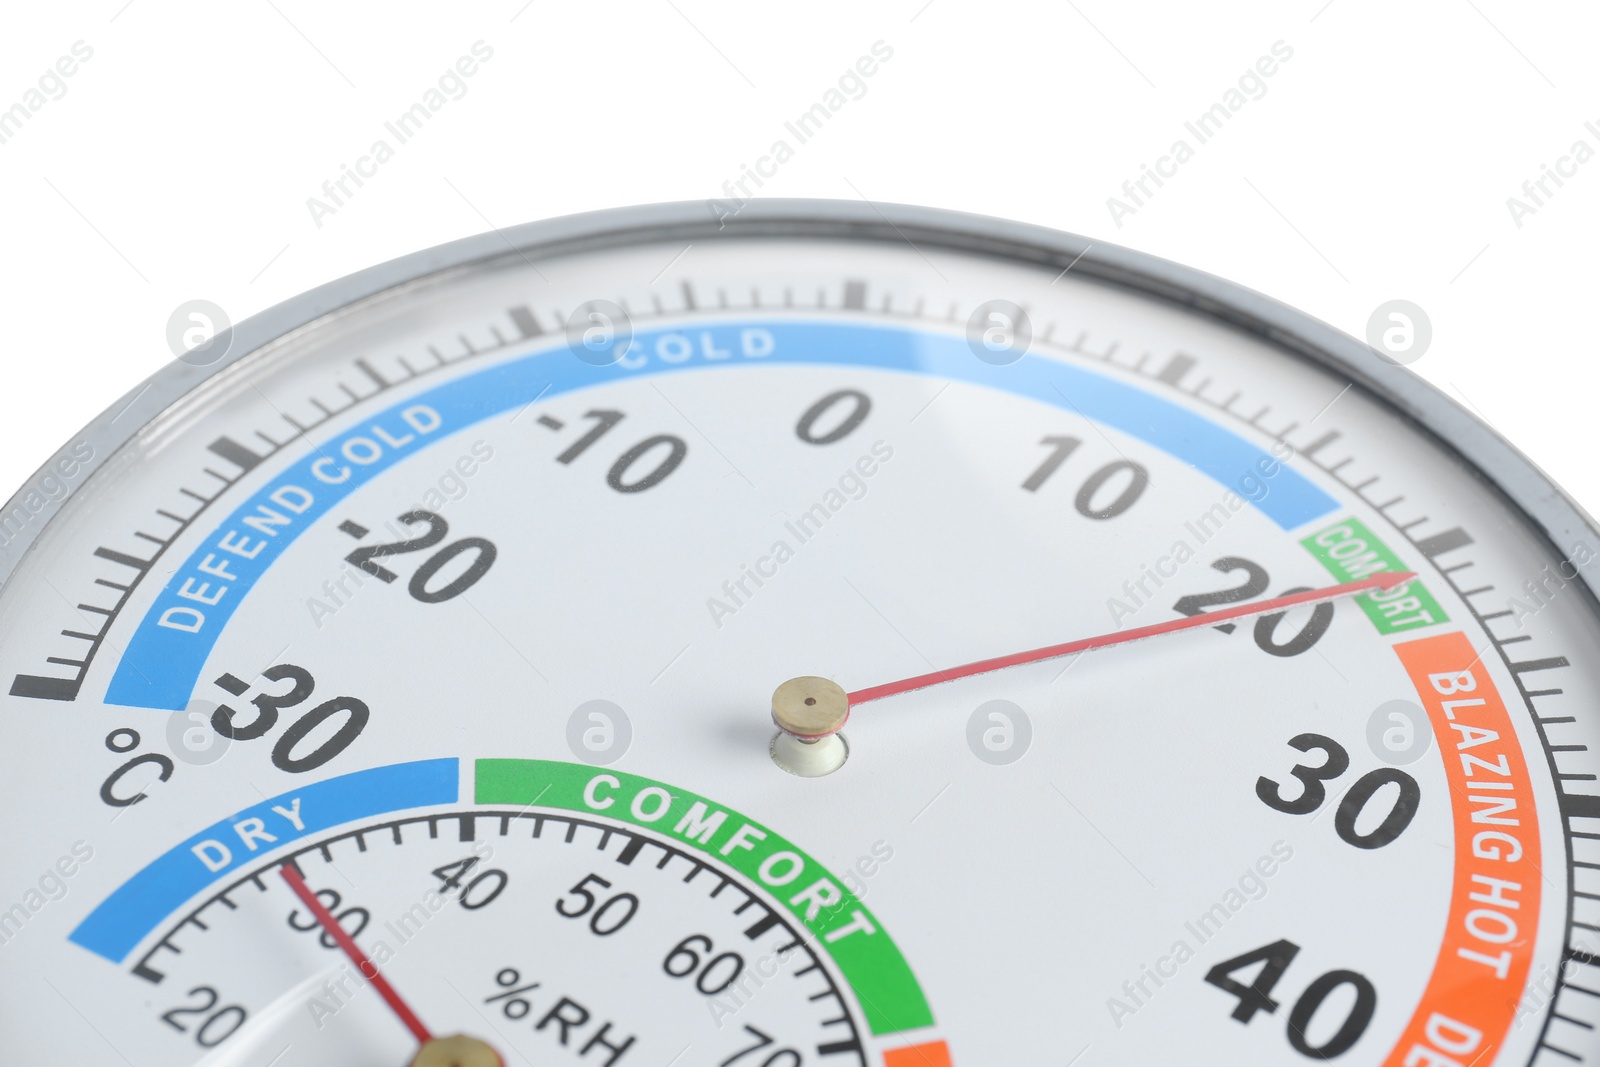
(129, 914)
(166, 655)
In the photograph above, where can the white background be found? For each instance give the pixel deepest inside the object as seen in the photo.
(1378, 164)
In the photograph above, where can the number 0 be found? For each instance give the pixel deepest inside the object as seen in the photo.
(1085, 501)
(283, 756)
(486, 555)
(861, 407)
(1354, 1025)
(1394, 824)
(676, 450)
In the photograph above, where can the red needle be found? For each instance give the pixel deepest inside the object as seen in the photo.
(1386, 580)
(368, 969)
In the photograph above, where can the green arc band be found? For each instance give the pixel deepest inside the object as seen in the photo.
(891, 999)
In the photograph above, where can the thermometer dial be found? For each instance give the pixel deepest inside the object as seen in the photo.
(654, 638)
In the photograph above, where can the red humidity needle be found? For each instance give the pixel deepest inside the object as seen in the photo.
(1386, 580)
(368, 969)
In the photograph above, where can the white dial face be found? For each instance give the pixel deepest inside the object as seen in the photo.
(472, 620)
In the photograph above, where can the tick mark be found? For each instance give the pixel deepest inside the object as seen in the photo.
(761, 926)
(1176, 368)
(354, 529)
(522, 318)
(551, 422)
(235, 453)
(1444, 541)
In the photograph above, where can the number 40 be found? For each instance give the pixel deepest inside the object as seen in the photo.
(1257, 996)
